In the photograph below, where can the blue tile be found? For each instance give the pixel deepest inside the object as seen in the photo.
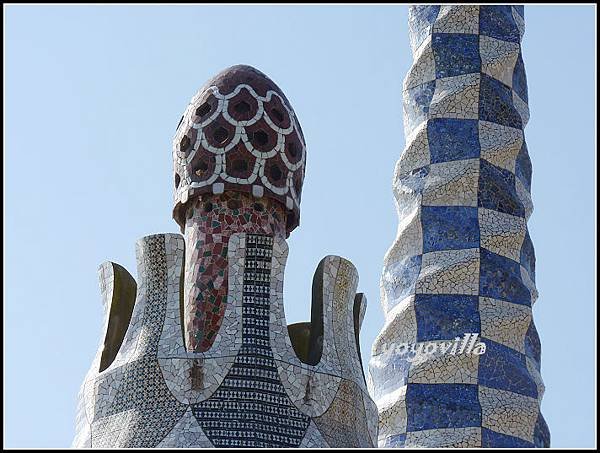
(397, 440)
(455, 54)
(497, 190)
(498, 22)
(533, 347)
(528, 256)
(446, 316)
(399, 279)
(520, 9)
(500, 278)
(431, 406)
(390, 370)
(541, 433)
(420, 19)
(519, 79)
(496, 103)
(504, 368)
(449, 228)
(523, 168)
(416, 103)
(415, 182)
(493, 439)
(453, 139)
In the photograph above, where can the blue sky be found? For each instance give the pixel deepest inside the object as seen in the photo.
(92, 99)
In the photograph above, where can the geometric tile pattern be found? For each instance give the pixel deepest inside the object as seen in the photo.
(210, 221)
(198, 353)
(129, 404)
(463, 261)
(333, 391)
(239, 133)
(239, 393)
(186, 434)
(251, 408)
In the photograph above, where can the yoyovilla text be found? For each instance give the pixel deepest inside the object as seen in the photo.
(468, 344)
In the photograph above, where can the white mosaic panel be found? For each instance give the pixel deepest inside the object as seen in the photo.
(508, 413)
(452, 184)
(443, 368)
(500, 145)
(415, 154)
(449, 272)
(504, 322)
(456, 97)
(498, 58)
(445, 438)
(423, 69)
(392, 414)
(461, 19)
(502, 233)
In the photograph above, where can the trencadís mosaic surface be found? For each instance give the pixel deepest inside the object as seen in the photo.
(197, 352)
(463, 261)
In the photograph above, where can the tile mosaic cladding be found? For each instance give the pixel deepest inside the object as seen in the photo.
(232, 379)
(463, 260)
(158, 394)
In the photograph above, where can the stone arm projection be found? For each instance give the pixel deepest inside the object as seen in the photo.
(462, 262)
(197, 353)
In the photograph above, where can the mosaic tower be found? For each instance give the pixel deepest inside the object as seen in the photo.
(462, 262)
(197, 353)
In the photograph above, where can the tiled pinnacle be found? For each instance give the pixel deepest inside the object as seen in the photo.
(463, 261)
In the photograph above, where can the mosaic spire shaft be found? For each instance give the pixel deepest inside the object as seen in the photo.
(463, 261)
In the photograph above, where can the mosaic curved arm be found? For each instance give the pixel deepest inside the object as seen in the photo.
(462, 262)
(249, 388)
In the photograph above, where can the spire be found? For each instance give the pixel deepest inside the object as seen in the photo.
(463, 261)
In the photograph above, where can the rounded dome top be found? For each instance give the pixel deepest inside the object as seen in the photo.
(239, 133)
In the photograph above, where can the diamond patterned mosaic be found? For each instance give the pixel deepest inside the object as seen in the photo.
(463, 261)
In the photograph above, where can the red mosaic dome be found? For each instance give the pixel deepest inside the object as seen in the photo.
(239, 133)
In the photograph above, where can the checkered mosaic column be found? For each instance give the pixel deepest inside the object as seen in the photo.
(463, 261)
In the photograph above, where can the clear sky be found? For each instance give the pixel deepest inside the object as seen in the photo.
(92, 99)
